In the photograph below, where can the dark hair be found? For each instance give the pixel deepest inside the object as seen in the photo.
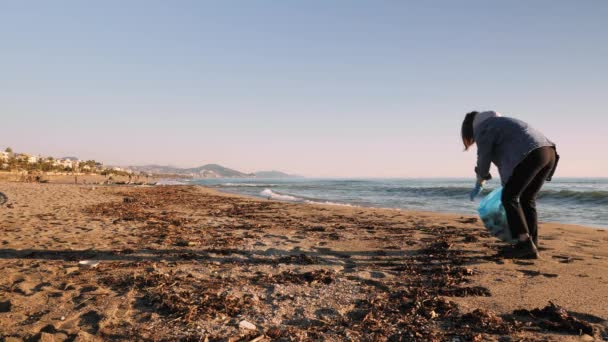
(468, 137)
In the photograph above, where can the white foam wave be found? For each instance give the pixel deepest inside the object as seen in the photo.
(253, 185)
(273, 195)
(281, 197)
(332, 203)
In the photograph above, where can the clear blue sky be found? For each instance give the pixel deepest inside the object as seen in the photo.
(320, 88)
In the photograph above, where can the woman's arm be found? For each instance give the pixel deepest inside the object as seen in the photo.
(485, 145)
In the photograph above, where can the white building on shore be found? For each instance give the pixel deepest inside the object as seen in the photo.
(66, 163)
(24, 157)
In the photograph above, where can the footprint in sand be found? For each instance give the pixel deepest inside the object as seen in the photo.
(35, 317)
(377, 275)
(90, 322)
(82, 300)
(538, 273)
(564, 259)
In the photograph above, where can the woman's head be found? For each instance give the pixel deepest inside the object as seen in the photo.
(468, 137)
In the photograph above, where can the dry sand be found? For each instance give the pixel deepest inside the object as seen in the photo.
(71, 178)
(188, 263)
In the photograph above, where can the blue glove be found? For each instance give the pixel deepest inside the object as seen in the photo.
(476, 191)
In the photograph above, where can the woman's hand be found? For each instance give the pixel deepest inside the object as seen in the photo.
(477, 189)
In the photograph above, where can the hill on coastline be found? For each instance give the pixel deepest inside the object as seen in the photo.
(207, 171)
(274, 174)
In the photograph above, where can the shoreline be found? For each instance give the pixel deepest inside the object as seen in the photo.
(339, 204)
(293, 271)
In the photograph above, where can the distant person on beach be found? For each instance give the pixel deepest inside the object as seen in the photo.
(525, 159)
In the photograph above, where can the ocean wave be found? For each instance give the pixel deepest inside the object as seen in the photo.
(433, 191)
(587, 197)
(276, 196)
(284, 197)
(251, 185)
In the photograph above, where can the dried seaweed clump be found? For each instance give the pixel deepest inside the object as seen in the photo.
(313, 277)
(187, 299)
(556, 318)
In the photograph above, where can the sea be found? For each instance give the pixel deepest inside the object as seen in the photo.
(582, 201)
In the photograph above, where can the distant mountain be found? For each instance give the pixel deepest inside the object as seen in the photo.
(217, 171)
(205, 171)
(157, 169)
(274, 174)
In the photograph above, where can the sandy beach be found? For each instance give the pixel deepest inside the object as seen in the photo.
(188, 263)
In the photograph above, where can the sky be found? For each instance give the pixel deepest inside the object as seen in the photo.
(340, 88)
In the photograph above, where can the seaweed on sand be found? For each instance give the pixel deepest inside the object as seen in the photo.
(556, 318)
(185, 299)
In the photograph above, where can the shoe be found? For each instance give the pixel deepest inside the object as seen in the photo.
(523, 250)
(535, 240)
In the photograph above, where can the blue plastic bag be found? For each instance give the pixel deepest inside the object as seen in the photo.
(494, 217)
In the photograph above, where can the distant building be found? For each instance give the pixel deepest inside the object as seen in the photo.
(65, 163)
(23, 157)
(4, 156)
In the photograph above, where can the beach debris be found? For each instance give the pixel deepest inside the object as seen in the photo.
(300, 259)
(129, 199)
(3, 198)
(564, 259)
(316, 229)
(182, 297)
(247, 325)
(278, 332)
(5, 306)
(185, 243)
(89, 263)
(313, 277)
(482, 320)
(556, 318)
(230, 283)
(471, 238)
(259, 338)
(476, 291)
(469, 220)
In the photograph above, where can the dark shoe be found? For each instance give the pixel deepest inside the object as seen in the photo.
(535, 240)
(523, 250)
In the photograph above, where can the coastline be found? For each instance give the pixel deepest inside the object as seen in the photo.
(452, 212)
(578, 201)
(262, 254)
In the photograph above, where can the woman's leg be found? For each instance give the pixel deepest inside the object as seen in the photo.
(523, 178)
(528, 197)
(510, 200)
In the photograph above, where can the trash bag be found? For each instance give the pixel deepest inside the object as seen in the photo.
(494, 217)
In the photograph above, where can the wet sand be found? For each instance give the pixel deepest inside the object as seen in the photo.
(188, 263)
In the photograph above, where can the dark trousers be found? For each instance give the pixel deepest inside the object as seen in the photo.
(519, 194)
